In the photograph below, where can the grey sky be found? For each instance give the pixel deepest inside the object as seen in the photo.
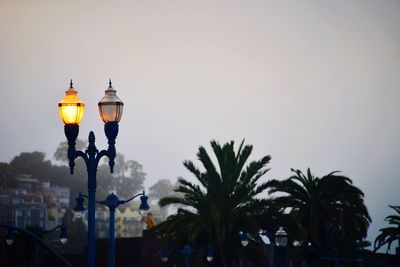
(312, 83)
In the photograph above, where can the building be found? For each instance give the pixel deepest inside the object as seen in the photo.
(28, 184)
(60, 195)
(128, 222)
(15, 211)
(102, 220)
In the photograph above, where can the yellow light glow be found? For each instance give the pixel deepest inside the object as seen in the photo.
(71, 113)
(71, 107)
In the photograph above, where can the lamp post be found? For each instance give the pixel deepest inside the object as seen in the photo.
(71, 109)
(112, 202)
(281, 239)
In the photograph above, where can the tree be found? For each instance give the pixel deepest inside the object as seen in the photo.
(220, 206)
(76, 228)
(61, 151)
(127, 179)
(161, 189)
(7, 176)
(33, 163)
(389, 234)
(330, 209)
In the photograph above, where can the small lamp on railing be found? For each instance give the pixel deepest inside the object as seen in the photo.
(79, 204)
(9, 237)
(63, 234)
(281, 238)
(164, 255)
(210, 254)
(144, 207)
(244, 239)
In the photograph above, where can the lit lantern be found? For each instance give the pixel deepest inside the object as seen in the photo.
(71, 107)
(110, 106)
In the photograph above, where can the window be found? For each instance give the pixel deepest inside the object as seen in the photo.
(41, 214)
(20, 213)
(28, 213)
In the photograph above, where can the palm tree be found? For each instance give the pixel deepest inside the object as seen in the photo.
(389, 234)
(220, 205)
(330, 210)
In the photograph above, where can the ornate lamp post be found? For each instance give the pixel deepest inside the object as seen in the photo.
(71, 109)
(112, 202)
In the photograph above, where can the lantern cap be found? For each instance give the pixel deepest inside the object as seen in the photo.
(281, 232)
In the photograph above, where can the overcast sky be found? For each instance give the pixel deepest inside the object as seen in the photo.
(311, 83)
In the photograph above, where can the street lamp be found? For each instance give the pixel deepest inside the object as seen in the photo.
(244, 239)
(164, 255)
(210, 254)
(71, 109)
(112, 202)
(281, 239)
(9, 237)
